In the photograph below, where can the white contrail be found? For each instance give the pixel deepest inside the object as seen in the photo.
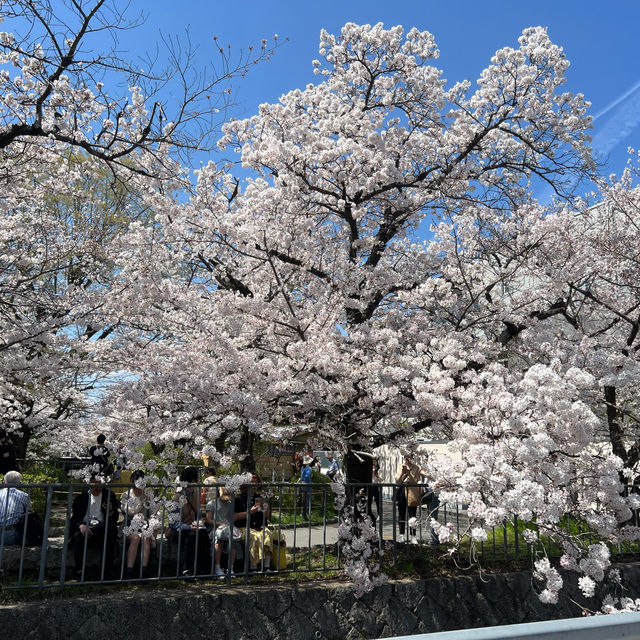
(617, 101)
(620, 124)
(608, 134)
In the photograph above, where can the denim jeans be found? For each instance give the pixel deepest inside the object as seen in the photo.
(11, 536)
(306, 503)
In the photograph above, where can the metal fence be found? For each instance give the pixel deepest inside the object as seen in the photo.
(298, 533)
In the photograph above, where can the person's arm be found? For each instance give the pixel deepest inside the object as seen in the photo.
(240, 510)
(124, 501)
(114, 509)
(78, 511)
(177, 524)
(109, 507)
(27, 505)
(240, 515)
(267, 512)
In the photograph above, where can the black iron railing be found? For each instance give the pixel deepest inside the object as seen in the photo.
(296, 533)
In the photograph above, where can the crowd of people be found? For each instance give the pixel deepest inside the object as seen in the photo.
(216, 523)
(213, 528)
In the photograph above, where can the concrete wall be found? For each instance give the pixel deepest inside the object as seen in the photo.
(323, 611)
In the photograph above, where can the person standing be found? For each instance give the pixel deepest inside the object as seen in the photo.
(100, 453)
(408, 497)
(374, 491)
(305, 482)
(8, 460)
(333, 468)
(433, 505)
(14, 505)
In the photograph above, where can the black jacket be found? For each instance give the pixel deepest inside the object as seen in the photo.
(81, 504)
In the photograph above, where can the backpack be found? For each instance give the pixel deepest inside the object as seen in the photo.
(35, 529)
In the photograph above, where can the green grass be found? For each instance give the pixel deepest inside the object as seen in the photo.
(44, 473)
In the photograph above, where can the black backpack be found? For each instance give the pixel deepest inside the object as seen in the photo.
(35, 529)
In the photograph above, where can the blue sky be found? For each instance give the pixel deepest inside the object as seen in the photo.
(599, 38)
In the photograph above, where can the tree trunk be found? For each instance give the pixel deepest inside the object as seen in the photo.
(247, 463)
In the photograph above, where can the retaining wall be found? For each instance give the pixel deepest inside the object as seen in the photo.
(316, 611)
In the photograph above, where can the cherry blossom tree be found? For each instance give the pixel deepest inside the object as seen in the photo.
(310, 269)
(76, 162)
(546, 428)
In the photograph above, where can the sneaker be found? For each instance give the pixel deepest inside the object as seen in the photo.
(218, 572)
(414, 540)
(401, 539)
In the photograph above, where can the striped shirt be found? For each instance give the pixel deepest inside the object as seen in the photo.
(13, 505)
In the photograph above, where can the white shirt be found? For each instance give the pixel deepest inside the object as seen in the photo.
(94, 512)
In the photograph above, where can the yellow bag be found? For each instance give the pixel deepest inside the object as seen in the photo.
(279, 558)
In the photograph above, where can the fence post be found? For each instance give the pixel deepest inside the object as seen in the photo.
(45, 535)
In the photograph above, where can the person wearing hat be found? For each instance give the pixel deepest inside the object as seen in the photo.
(14, 505)
(305, 481)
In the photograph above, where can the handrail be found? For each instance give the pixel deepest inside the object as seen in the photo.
(614, 627)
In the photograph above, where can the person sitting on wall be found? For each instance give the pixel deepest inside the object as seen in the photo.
(220, 519)
(207, 477)
(133, 507)
(14, 506)
(186, 523)
(250, 503)
(94, 515)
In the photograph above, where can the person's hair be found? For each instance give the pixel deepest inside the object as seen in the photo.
(101, 438)
(136, 475)
(207, 472)
(3, 433)
(12, 477)
(189, 474)
(225, 494)
(213, 492)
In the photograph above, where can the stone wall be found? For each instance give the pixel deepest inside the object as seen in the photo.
(320, 611)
